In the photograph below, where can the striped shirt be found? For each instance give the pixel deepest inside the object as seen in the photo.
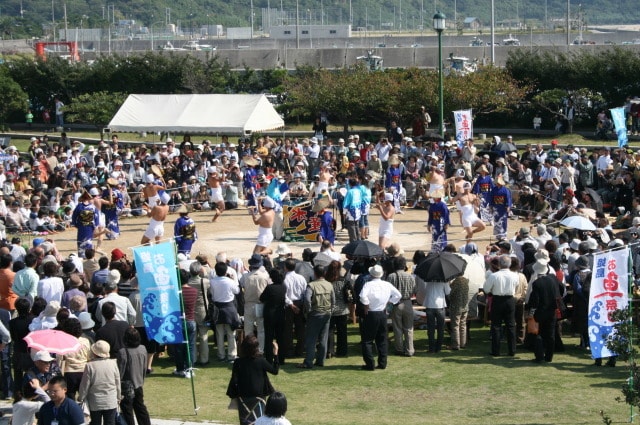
(404, 282)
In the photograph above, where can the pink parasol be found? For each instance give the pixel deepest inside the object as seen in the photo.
(53, 341)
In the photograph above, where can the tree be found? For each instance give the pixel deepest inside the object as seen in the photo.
(12, 97)
(95, 108)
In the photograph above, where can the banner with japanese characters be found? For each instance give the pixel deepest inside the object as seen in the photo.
(609, 292)
(464, 126)
(301, 223)
(620, 123)
(159, 292)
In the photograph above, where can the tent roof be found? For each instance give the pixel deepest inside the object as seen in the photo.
(196, 113)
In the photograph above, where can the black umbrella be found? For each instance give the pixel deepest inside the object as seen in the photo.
(596, 199)
(493, 155)
(435, 137)
(362, 249)
(505, 147)
(441, 267)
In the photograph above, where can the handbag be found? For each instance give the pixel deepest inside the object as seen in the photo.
(533, 327)
(127, 389)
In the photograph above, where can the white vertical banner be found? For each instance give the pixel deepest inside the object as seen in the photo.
(609, 292)
(464, 125)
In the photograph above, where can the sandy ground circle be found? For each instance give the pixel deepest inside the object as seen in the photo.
(235, 233)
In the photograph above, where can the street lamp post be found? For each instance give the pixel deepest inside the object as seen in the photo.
(439, 20)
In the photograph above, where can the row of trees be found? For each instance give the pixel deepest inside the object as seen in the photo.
(532, 82)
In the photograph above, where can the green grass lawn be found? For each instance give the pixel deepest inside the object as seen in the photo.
(463, 387)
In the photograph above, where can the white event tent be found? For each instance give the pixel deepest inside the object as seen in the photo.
(196, 113)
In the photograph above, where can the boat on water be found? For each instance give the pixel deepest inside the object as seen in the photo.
(194, 45)
(510, 41)
(460, 65)
(371, 61)
(476, 42)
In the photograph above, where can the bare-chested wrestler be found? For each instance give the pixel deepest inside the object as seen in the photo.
(468, 203)
(99, 202)
(324, 180)
(215, 178)
(456, 182)
(263, 216)
(436, 179)
(151, 189)
(158, 213)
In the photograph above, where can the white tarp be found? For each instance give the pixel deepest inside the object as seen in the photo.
(197, 113)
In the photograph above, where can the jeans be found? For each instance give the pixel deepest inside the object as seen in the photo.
(186, 360)
(435, 322)
(128, 407)
(402, 322)
(352, 229)
(317, 332)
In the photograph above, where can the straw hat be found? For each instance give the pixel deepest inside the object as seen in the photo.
(250, 161)
(101, 349)
(322, 203)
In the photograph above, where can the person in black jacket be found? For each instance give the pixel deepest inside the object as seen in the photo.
(543, 304)
(249, 383)
(273, 298)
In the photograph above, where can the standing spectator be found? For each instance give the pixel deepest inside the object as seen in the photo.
(273, 297)
(202, 284)
(249, 382)
(501, 286)
(435, 303)
(402, 314)
(253, 284)
(51, 286)
(72, 365)
(340, 314)
(113, 330)
(296, 285)
(352, 206)
(458, 311)
(185, 355)
(132, 364)
(375, 295)
(18, 329)
(100, 385)
(7, 296)
(60, 410)
(59, 112)
(124, 310)
(319, 300)
(542, 307)
(223, 292)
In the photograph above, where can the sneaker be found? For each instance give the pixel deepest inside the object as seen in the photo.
(187, 374)
(177, 372)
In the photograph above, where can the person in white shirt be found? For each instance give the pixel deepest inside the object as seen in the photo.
(124, 309)
(375, 296)
(435, 303)
(51, 286)
(223, 292)
(294, 323)
(502, 285)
